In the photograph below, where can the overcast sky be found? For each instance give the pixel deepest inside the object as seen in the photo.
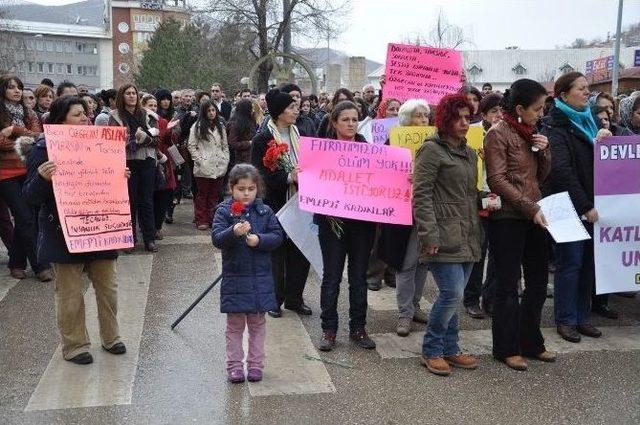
(489, 24)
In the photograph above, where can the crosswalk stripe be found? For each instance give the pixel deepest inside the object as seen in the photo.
(290, 368)
(615, 338)
(185, 240)
(6, 283)
(109, 380)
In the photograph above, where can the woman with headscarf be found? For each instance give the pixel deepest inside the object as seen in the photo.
(630, 113)
(290, 267)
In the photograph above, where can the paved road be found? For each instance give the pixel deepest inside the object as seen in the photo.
(178, 377)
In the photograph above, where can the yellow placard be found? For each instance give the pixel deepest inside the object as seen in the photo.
(412, 138)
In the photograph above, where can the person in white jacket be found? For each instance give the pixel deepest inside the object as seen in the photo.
(210, 152)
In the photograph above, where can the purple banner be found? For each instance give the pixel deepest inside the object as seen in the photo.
(380, 129)
(616, 166)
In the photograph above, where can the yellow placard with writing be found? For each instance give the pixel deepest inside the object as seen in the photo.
(411, 137)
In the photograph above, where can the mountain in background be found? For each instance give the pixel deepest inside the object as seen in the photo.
(317, 58)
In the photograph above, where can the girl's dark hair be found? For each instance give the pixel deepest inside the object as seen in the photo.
(61, 106)
(63, 85)
(523, 92)
(138, 113)
(204, 123)
(5, 116)
(200, 94)
(106, 95)
(242, 120)
(337, 94)
(471, 89)
(245, 171)
(564, 83)
(345, 105)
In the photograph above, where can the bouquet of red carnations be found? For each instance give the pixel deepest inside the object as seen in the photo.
(277, 157)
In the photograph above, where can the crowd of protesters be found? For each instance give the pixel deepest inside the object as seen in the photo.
(494, 257)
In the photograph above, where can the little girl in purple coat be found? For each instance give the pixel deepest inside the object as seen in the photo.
(246, 230)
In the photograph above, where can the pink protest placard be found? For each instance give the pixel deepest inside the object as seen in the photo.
(356, 180)
(90, 186)
(421, 72)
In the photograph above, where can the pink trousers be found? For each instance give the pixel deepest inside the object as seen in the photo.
(257, 326)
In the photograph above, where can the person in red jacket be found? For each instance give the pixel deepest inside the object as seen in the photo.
(15, 121)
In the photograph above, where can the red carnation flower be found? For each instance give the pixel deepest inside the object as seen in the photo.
(237, 208)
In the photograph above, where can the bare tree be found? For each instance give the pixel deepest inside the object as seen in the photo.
(443, 35)
(269, 21)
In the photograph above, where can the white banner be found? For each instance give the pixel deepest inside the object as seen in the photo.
(303, 232)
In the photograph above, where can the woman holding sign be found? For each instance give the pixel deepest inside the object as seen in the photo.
(100, 265)
(339, 239)
(518, 161)
(445, 210)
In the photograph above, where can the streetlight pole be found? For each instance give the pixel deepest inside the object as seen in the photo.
(616, 55)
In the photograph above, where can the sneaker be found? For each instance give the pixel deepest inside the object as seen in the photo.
(361, 338)
(420, 317)
(18, 274)
(404, 326)
(236, 376)
(117, 348)
(436, 365)
(82, 358)
(254, 374)
(463, 361)
(45, 275)
(328, 342)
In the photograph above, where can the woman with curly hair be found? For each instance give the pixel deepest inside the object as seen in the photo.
(445, 199)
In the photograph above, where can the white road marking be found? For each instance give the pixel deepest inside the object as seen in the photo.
(109, 380)
(615, 338)
(186, 240)
(287, 371)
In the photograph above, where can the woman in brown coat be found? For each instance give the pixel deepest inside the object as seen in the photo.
(518, 160)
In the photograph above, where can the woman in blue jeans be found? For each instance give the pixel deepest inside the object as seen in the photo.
(445, 210)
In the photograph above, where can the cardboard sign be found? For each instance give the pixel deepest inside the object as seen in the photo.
(355, 180)
(380, 129)
(416, 72)
(616, 236)
(90, 186)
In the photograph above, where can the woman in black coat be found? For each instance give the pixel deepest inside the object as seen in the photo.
(290, 267)
(99, 265)
(571, 133)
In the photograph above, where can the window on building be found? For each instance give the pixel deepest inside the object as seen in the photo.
(59, 68)
(566, 68)
(40, 45)
(31, 45)
(50, 46)
(31, 67)
(80, 70)
(59, 46)
(68, 47)
(474, 70)
(519, 69)
(50, 68)
(41, 67)
(69, 69)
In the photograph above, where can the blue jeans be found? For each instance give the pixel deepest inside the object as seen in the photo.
(441, 338)
(573, 283)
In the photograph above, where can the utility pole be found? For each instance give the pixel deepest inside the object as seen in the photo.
(616, 54)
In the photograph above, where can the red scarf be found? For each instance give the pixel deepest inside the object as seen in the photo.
(524, 130)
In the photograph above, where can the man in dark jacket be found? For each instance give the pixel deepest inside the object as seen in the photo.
(223, 106)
